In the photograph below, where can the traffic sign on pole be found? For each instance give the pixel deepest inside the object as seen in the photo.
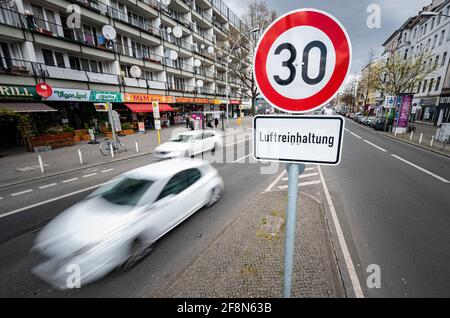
(301, 60)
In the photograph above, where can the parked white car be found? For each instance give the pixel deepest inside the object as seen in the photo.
(118, 224)
(189, 143)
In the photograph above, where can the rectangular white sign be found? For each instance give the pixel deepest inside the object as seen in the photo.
(308, 139)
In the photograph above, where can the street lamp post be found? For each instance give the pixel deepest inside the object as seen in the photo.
(433, 14)
(226, 68)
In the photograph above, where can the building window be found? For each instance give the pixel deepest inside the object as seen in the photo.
(424, 86)
(432, 23)
(418, 88)
(438, 83)
(434, 41)
(431, 85)
(60, 60)
(48, 57)
(444, 58)
(441, 39)
(406, 54)
(74, 63)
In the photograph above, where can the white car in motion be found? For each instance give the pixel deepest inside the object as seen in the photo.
(118, 224)
(188, 144)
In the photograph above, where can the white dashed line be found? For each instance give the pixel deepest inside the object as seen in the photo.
(346, 129)
(107, 170)
(51, 200)
(48, 185)
(1, 198)
(69, 180)
(309, 169)
(348, 259)
(357, 136)
(304, 176)
(22, 192)
(421, 169)
(242, 158)
(373, 145)
(238, 142)
(90, 175)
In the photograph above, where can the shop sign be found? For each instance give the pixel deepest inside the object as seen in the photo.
(147, 98)
(234, 102)
(67, 94)
(185, 100)
(18, 93)
(141, 126)
(107, 97)
(217, 102)
(201, 101)
(101, 107)
(444, 101)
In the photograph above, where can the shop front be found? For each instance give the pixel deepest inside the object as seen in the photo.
(140, 110)
(443, 110)
(428, 109)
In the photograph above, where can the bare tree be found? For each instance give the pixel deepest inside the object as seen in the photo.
(396, 75)
(367, 83)
(258, 16)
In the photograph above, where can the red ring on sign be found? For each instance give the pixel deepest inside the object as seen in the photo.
(341, 45)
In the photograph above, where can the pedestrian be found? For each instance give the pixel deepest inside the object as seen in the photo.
(187, 122)
(209, 124)
(191, 124)
(216, 122)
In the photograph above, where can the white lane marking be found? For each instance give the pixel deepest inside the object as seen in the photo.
(348, 260)
(1, 198)
(309, 169)
(90, 175)
(242, 158)
(233, 133)
(51, 200)
(238, 142)
(304, 176)
(21, 192)
(357, 136)
(346, 129)
(373, 145)
(107, 170)
(48, 185)
(269, 188)
(301, 184)
(69, 180)
(421, 169)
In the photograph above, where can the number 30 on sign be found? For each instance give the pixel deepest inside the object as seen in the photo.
(302, 59)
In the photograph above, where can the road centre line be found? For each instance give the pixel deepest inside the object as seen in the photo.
(51, 200)
(357, 136)
(421, 169)
(21, 192)
(301, 176)
(90, 175)
(373, 145)
(107, 170)
(69, 180)
(48, 186)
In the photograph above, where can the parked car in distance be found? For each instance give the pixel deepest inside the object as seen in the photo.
(118, 224)
(371, 121)
(189, 143)
(380, 124)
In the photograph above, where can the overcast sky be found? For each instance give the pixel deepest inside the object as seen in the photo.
(353, 15)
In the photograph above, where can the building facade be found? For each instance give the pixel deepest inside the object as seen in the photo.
(172, 51)
(424, 33)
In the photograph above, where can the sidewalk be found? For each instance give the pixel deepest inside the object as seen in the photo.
(428, 131)
(246, 259)
(24, 166)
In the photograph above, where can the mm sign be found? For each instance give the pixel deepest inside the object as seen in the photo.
(301, 60)
(306, 139)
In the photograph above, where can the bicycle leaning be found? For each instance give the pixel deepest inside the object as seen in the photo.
(108, 144)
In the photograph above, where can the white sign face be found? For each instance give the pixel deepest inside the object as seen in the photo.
(157, 124)
(390, 102)
(155, 110)
(307, 139)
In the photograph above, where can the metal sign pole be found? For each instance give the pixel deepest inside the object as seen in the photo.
(294, 170)
(111, 122)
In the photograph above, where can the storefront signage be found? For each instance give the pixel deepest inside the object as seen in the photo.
(141, 126)
(201, 100)
(18, 93)
(444, 101)
(111, 97)
(44, 90)
(101, 107)
(185, 100)
(404, 110)
(147, 98)
(234, 102)
(67, 94)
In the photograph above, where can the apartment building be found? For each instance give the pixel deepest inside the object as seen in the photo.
(172, 51)
(425, 33)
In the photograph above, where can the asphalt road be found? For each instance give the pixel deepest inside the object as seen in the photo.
(173, 252)
(394, 214)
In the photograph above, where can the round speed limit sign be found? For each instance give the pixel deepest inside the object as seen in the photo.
(301, 60)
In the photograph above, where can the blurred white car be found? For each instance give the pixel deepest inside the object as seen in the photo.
(118, 223)
(188, 144)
